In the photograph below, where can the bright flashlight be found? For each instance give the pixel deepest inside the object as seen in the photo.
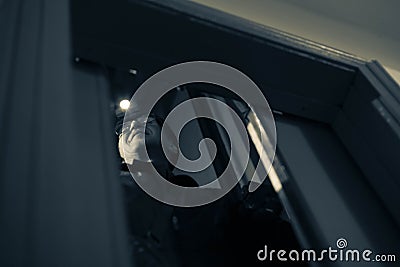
(124, 104)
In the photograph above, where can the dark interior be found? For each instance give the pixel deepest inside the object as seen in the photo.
(67, 196)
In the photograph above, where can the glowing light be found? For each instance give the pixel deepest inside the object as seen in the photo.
(124, 104)
(273, 176)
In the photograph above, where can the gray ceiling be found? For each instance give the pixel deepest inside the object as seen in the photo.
(367, 28)
(379, 16)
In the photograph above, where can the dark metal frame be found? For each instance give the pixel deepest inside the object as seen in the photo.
(357, 99)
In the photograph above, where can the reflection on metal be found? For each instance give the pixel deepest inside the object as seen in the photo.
(254, 134)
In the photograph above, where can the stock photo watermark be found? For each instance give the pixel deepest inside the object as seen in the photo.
(151, 91)
(339, 253)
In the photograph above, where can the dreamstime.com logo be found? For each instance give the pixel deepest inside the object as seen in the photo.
(151, 91)
(340, 253)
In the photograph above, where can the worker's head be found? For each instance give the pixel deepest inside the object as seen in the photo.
(133, 142)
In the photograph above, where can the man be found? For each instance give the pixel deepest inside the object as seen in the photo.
(149, 221)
